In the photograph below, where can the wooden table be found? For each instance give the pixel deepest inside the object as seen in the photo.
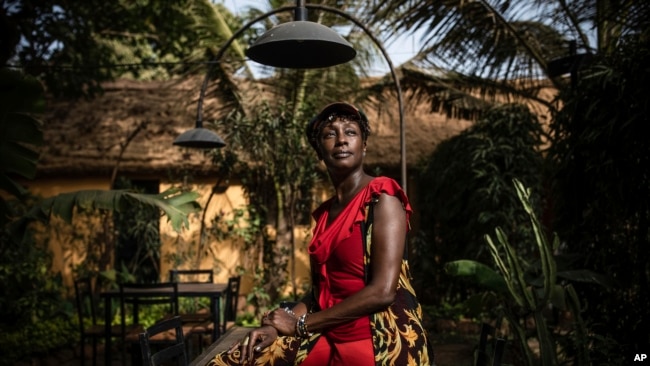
(213, 291)
(222, 344)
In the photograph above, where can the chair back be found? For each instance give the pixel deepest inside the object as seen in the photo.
(232, 300)
(138, 294)
(191, 275)
(85, 300)
(490, 347)
(176, 351)
(89, 328)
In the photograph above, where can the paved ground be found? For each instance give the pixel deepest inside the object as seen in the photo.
(454, 354)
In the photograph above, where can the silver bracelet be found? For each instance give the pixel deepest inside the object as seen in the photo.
(301, 327)
(290, 312)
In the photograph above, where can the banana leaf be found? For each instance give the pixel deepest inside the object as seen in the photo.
(586, 276)
(20, 132)
(477, 273)
(174, 203)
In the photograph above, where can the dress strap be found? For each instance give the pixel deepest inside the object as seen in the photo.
(366, 236)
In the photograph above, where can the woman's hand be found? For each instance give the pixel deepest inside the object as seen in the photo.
(283, 320)
(255, 341)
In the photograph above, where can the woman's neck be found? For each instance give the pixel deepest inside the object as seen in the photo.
(348, 187)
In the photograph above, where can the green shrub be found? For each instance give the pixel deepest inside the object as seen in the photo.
(34, 316)
(37, 339)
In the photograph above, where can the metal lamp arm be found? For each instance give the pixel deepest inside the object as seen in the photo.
(220, 53)
(300, 12)
(398, 88)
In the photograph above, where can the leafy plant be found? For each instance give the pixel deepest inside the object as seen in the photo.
(20, 133)
(481, 162)
(34, 317)
(30, 295)
(528, 288)
(37, 339)
(278, 192)
(601, 161)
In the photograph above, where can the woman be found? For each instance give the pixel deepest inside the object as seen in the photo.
(362, 310)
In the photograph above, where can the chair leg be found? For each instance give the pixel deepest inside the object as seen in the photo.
(123, 351)
(82, 351)
(94, 351)
(192, 346)
(136, 354)
(498, 351)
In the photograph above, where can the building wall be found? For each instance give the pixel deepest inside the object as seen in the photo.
(66, 242)
(226, 257)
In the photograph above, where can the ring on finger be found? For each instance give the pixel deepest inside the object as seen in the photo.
(258, 349)
(245, 341)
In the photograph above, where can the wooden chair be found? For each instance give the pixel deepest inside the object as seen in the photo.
(228, 316)
(490, 347)
(191, 275)
(163, 343)
(87, 313)
(196, 323)
(230, 305)
(130, 332)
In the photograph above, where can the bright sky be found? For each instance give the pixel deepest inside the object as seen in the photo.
(399, 50)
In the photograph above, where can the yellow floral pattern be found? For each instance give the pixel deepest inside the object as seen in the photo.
(398, 335)
(285, 351)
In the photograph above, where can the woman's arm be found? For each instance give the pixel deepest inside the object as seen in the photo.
(278, 321)
(388, 240)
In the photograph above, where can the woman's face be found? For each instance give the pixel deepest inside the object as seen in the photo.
(341, 144)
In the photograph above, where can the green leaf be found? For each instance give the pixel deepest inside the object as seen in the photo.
(10, 186)
(19, 132)
(20, 93)
(478, 273)
(510, 283)
(558, 297)
(586, 276)
(176, 205)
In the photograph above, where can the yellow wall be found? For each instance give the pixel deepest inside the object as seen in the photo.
(64, 240)
(224, 257)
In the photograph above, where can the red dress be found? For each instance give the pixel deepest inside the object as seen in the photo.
(336, 253)
(393, 336)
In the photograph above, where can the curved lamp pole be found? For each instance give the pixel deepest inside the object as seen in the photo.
(299, 44)
(282, 46)
(398, 88)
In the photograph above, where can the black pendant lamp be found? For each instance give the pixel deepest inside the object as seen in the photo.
(301, 44)
(199, 138)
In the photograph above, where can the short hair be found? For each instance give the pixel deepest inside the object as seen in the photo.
(333, 112)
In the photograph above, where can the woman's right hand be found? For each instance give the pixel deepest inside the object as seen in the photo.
(283, 320)
(254, 342)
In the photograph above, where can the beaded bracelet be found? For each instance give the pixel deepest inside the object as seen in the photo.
(301, 327)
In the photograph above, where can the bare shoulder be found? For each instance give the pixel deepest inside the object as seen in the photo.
(389, 205)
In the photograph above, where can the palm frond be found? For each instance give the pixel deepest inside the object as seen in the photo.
(20, 132)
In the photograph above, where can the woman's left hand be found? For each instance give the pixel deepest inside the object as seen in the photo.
(284, 321)
(254, 342)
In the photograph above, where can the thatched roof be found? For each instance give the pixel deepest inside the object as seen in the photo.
(86, 136)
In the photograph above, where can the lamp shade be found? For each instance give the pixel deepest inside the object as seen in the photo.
(201, 138)
(301, 44)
